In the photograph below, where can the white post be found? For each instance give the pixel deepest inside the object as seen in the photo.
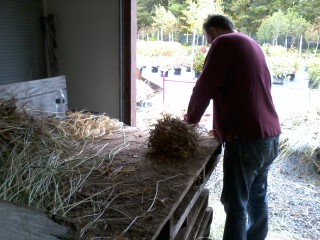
(193, 47)
(300, 47)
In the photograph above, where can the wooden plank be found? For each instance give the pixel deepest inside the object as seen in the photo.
(201, 180)
(199, 171)
(37, 96)
(197, 222)
(195, 215)
(205, 224)
(19, 222)
(186, 211)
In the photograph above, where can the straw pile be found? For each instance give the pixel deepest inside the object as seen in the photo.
(301, 136)
(173, 138)
(53, 165)
(86, 125)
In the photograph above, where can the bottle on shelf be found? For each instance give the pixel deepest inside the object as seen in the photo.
(61, 105)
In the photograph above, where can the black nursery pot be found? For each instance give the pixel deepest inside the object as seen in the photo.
(164, 73)
(155, 69)
(177, 71)
(197, 74)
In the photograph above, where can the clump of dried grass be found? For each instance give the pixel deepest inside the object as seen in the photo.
(7, 107)
(173, 138)
(301, 136)
(86, 125)
(52, 165)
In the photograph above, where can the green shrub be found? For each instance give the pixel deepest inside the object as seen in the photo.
(158, 48)
(314, 73)
(282, 67)
(198, 60)
(274, 50)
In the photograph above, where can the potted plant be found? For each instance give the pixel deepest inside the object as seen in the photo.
(314, 74)
(187, 65)
(198, 62)
(178, 66)
(154, 69)
(282, 68)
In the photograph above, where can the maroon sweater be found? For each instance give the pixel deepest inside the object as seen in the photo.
(236, 76)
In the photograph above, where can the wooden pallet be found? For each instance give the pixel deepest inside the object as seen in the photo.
(191, 216)
(186, 216)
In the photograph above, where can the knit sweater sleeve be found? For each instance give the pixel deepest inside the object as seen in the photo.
(210, 81)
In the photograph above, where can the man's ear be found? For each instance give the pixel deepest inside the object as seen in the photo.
(212, 31)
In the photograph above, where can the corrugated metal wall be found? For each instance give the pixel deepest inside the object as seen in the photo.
(22, 53)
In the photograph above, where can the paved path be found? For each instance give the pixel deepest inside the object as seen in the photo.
(294, 96)
(291, 97)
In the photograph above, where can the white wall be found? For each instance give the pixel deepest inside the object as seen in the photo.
(89, 49)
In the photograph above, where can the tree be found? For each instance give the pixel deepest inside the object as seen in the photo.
(311, 36)
(297, 25)
(198, 11)
(177, 8)
(316, 27)
(273, 27)
(196, 14)
(146, 10)
(164, 20)
(264, 32)
(249, 14)
(309, 9)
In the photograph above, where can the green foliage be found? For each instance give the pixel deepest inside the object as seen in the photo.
(198, 10)
(267, 20)
(274, 50)
(281, 68)
(158, 48)
(297, 25)
(163, 54)
(282, 24)
(311, 35)
(249, 15)
(309, 9)
(164, 19)
(273, 27)
(314, 73)
(178, 7)
(198, 60)
(146, 9)
(282, 63)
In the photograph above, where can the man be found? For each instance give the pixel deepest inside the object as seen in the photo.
(235, 75)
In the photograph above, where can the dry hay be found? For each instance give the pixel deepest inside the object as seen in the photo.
(53, 165)
(84, 124)
(173, 138)
(301, 136)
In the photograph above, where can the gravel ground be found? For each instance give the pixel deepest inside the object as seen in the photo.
(294, 201)
(294, 185)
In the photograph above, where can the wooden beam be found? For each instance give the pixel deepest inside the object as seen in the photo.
(128, 61)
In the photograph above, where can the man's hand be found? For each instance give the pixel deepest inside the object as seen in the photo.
(185, 118)
(213, 133)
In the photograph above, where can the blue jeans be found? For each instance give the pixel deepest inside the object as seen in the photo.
(244, 194)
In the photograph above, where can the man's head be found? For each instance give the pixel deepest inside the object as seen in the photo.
(216, 25)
